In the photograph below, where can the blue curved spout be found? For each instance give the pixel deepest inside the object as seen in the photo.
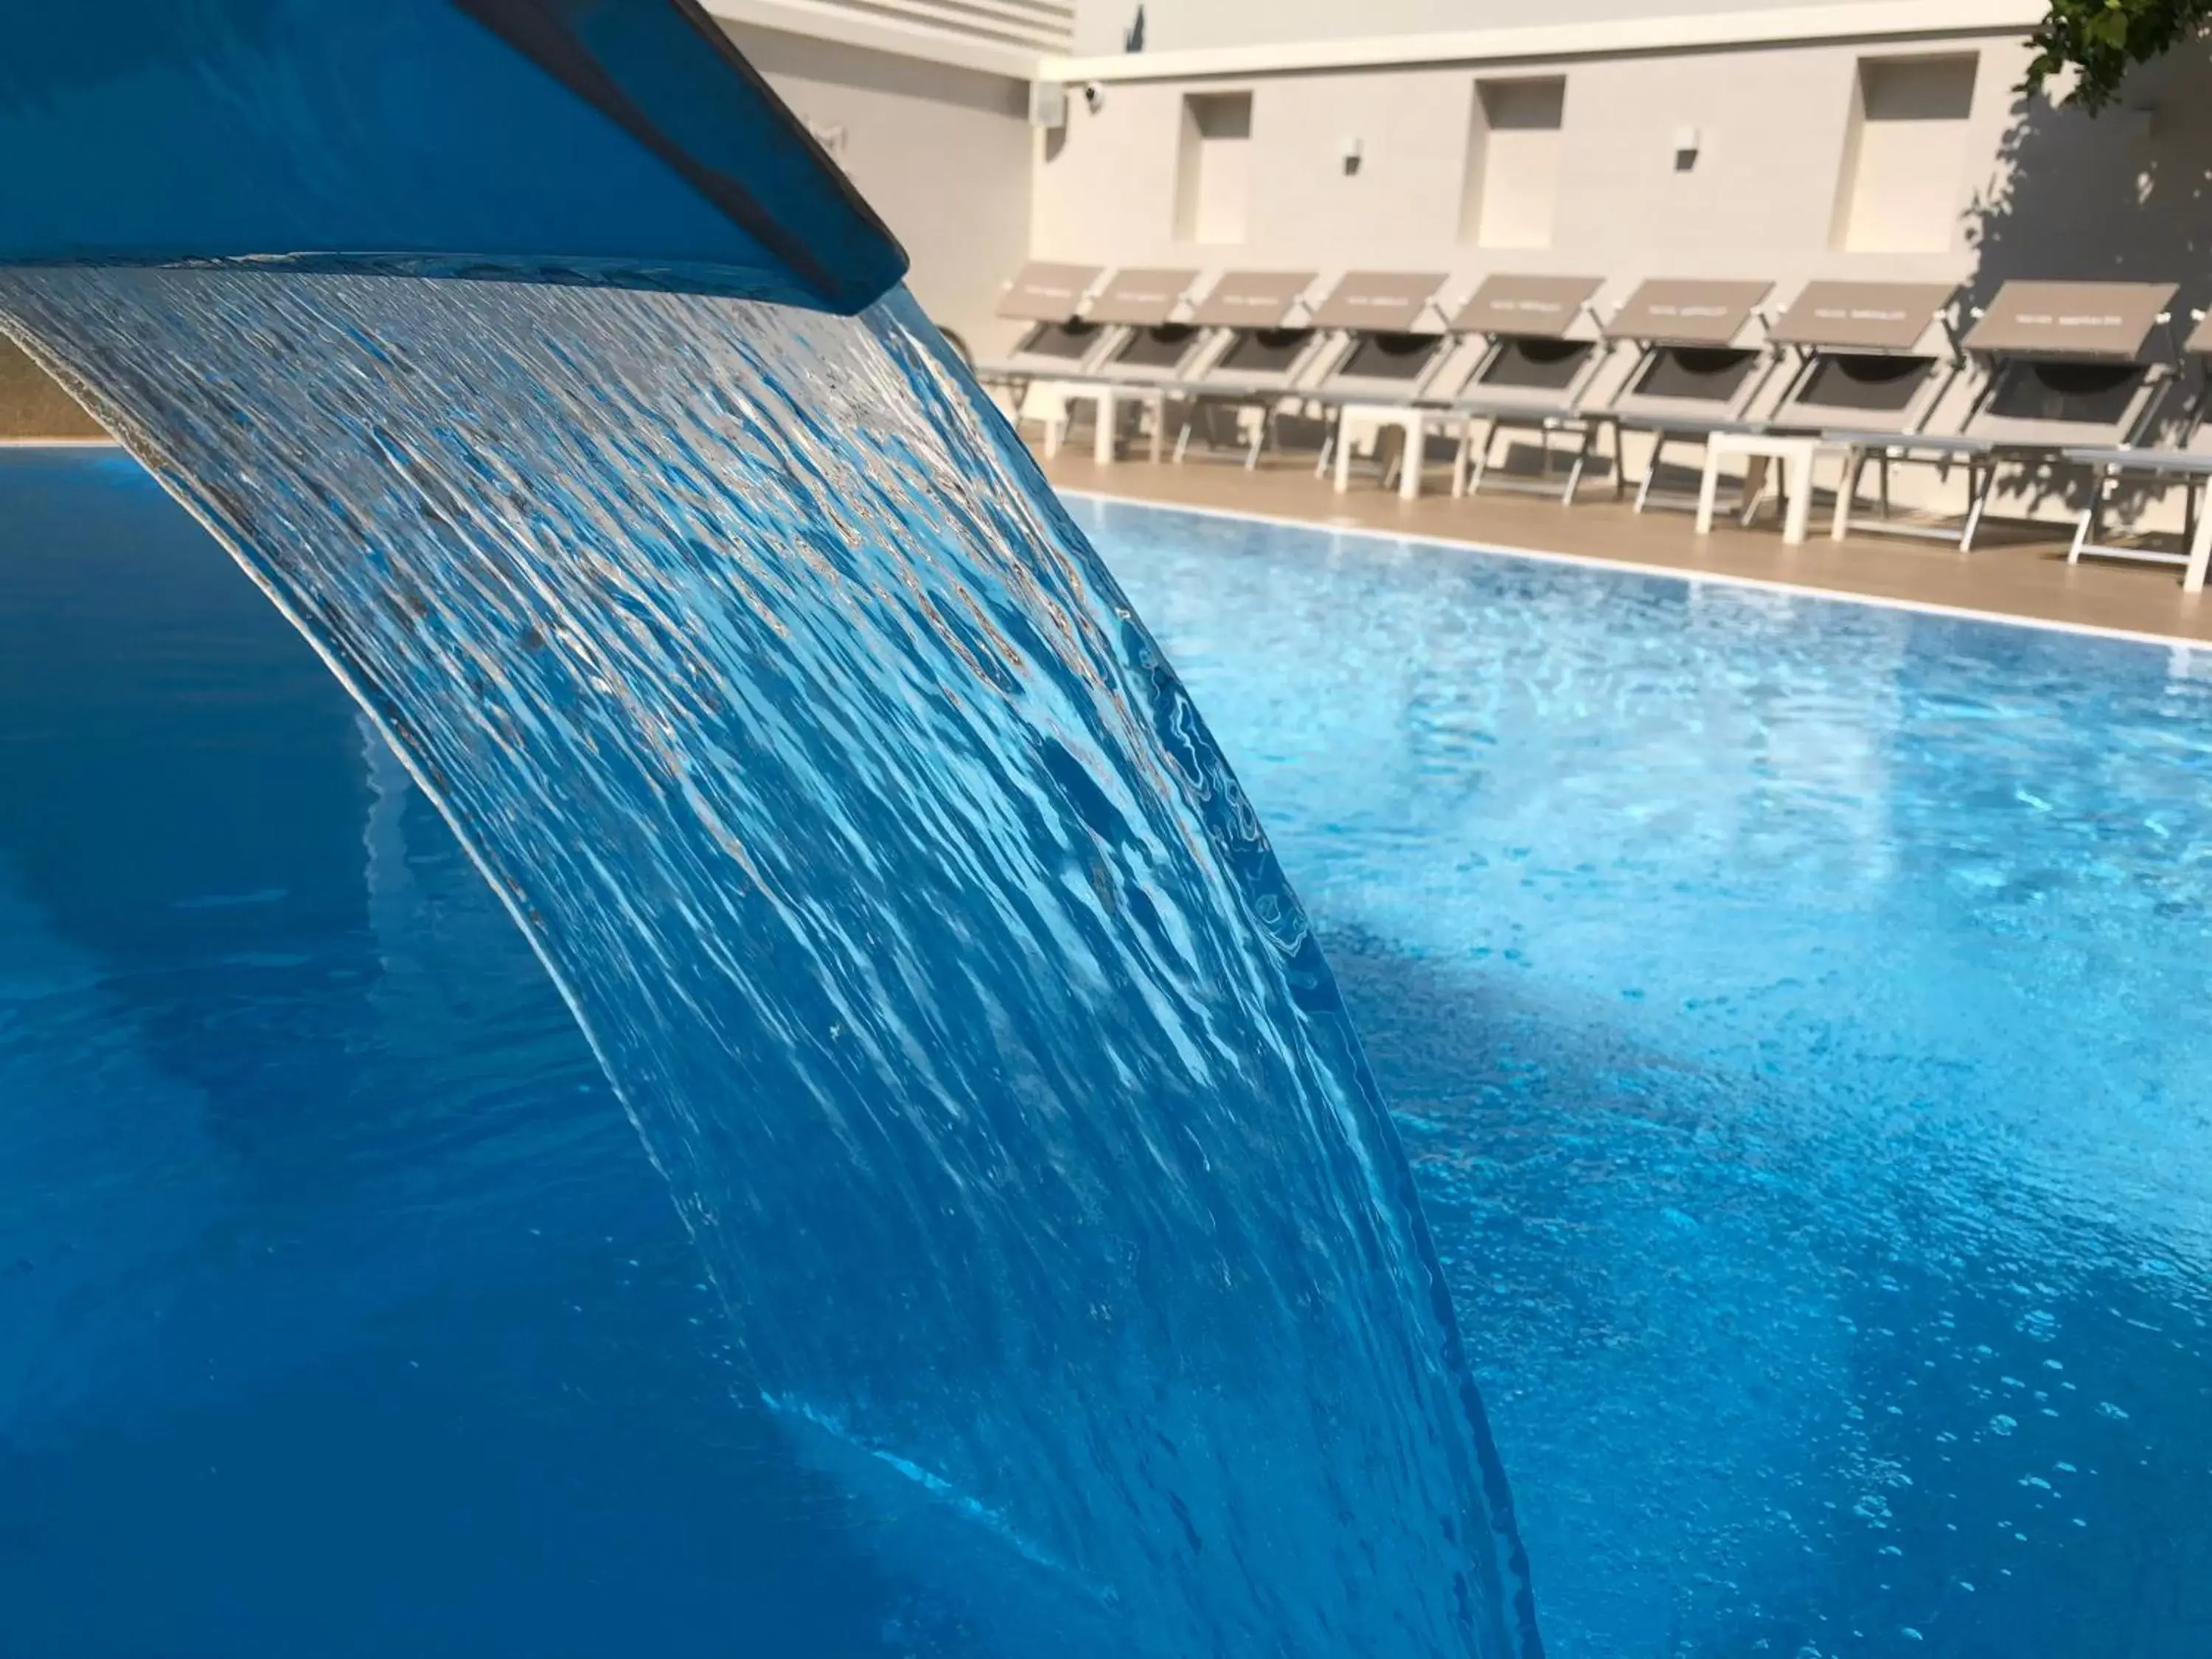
(621, 141)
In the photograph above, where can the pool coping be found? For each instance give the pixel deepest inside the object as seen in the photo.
(1664, 572)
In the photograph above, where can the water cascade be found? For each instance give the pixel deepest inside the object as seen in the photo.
(906, 902)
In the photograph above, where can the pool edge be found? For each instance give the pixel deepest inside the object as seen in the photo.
(1630, 567)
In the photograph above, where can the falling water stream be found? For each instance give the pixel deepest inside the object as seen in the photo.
(906, 902)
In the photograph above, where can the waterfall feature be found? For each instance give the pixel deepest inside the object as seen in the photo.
(905, 900)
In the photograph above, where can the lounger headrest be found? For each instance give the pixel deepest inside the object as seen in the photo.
(1142, 298)
(1529, 307)
(1863, 316)
(2072, 319)
(1045, 293)
(1674, 311)
(1379, 301)
(1252, 299)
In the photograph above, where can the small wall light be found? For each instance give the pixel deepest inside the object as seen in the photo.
(1688, 141)
(1350, 152)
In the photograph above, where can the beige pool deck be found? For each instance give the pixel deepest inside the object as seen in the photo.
(2020, 574)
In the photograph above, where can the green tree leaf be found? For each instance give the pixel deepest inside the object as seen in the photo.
(2101, 41)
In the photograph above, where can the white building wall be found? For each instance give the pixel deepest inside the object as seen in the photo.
(1038, 25)
(943, 154)
(1193, 25)
(1772, 125)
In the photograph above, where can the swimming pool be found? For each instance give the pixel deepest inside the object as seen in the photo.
(1797, 1013)
(1789, 1006)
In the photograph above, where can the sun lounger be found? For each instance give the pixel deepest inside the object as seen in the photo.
(1700, 365)
(1148, 345)
(1144, 352)
(1256, 338)
(1881, 355)
(2065, 366)
(1253, 354)
(2183, 458)
(1058, 343)
(1376, 347)
(1059, 339)
(1541, 351)
(1378, 364)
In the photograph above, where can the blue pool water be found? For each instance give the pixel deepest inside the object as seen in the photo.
(1799, 1015)
(1791, 1008)
(341, 1312)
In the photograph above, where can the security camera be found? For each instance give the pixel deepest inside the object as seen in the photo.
(1094, 96)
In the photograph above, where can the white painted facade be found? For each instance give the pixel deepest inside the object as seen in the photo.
(1102, 26)
(1783, 178)
(943, 152)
